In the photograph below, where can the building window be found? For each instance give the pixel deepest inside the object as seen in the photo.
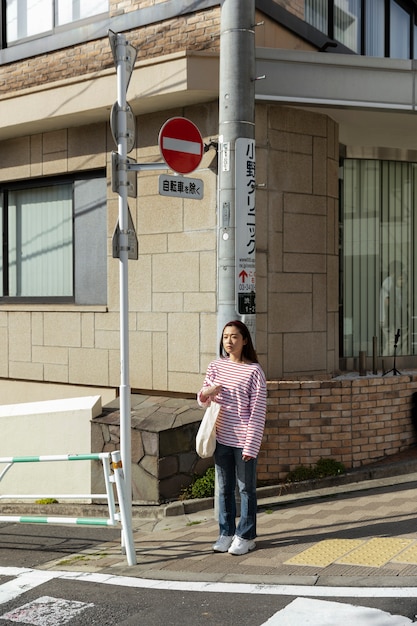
(400, 32)
(347, 23)
(375, 28)
(72, 10)
(379, 28)
(54, 240)
(379, 202)
(317, 14)
(39, 227)
(29, 18)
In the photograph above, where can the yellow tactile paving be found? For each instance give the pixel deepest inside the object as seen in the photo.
(375, 552)
(409, 555)
(325, 552)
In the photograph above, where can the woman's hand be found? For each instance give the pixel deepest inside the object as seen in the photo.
(211, 391)
(245, 457)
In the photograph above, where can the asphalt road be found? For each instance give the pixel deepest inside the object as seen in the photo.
(32, 594)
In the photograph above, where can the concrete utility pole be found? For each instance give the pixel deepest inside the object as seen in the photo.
(236, 191)
(236, 122)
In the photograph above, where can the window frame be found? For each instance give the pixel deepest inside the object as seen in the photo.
(407, 6)
(77, 243)
(412, 14)
(382, 223)
(55, 30)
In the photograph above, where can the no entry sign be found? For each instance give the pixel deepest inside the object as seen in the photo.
(181, 145)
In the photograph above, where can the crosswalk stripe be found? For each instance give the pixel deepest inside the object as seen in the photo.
(325, 613)
(47, 611)
(23, 582)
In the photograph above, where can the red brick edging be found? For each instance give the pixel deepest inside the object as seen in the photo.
(354, 421)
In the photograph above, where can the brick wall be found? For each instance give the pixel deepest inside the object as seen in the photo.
(118, 7)
(355, 421)
(192, 32)
(293, 6)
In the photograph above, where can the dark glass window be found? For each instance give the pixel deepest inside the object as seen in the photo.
(379, 200)
(54, 240)
(379, 28)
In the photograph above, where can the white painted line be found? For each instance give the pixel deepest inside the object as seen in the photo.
(30, 578)
(14, 571)
(181, 145)
(46, 611)
(324, 613)
(25, 581)
(257, 589)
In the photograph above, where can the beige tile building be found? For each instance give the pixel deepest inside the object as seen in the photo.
(315, 111)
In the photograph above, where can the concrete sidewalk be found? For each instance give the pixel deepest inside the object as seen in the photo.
(360, 532)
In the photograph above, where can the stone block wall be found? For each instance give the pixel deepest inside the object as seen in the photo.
(297, 243)
(355, 421)
(164, 460)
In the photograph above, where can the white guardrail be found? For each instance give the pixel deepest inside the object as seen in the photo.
(113, 473)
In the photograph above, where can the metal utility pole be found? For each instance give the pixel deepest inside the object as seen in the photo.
(124, 58)
(236, 174)
(236, 191)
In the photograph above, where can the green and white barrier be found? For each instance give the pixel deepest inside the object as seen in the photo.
(113, 474)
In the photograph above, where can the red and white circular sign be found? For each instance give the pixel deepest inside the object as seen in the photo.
(181, 145)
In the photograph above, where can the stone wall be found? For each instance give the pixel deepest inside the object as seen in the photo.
(297, 260)
(355, 421)
(164, 460)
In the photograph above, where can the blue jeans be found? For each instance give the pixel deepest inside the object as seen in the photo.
(229, 468)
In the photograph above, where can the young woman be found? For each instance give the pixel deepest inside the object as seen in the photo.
(237, 382)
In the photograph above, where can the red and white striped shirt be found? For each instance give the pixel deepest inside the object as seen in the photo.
(241, 420)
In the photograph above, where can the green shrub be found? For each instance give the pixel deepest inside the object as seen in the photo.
(329, 467)
(201, 487)
(300, 473)
(323, 468)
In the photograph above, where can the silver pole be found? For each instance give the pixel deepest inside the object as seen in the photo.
(236, 119)
(125, 419)
(124, 510)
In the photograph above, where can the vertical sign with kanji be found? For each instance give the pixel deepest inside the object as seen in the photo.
(245, 226)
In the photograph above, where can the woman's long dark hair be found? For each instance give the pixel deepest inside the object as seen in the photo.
(248, 352)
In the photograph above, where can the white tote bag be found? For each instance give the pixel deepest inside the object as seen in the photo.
(205, 441)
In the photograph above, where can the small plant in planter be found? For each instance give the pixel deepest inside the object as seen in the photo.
(201, 486)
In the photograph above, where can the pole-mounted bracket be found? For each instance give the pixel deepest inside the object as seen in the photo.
(211, 144)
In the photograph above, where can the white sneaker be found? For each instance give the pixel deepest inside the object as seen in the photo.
(241, 546)
(223, 543)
